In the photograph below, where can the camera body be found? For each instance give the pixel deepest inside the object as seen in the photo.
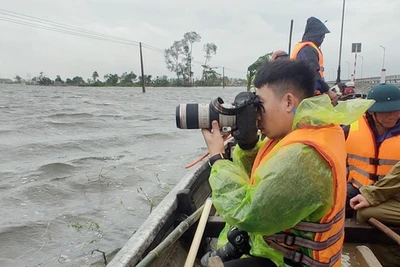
(200, 116)
(237, 246)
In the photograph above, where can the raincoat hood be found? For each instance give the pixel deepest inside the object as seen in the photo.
(315, 31)
(318, 111)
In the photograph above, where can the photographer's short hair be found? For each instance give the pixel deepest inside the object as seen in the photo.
(286, 76)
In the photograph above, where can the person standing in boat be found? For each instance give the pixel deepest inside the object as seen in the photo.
(380, 200)
(309, 50)
(285, 190)
(373, 142)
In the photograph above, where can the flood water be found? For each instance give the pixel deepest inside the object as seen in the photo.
(81, 168)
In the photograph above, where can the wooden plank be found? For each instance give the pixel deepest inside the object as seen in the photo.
(366, 257)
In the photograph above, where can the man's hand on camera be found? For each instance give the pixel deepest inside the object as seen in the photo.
(214, 140)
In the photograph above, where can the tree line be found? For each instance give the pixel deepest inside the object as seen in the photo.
(178, 58)
(126, 79)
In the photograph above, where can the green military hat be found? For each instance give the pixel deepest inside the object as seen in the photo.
(386, 96)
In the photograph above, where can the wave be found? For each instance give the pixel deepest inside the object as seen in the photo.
(57, 168)
(69, 124)
(64, 115)
(105, 158)
(155, 136)
(97, 104)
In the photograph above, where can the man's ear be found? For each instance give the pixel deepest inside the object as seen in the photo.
(291, 102)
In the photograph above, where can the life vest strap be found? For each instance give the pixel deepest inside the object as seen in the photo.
(299, 257)
(318, 227)
(356, 183)
(372, 176)
(373, 161)
(292, 240)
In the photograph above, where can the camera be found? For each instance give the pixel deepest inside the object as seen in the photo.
(237, 246)
(200, 116)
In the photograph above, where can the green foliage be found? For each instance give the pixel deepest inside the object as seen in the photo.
(58, 79)
(128, 78)
(149, 199)
(252, 69)
(173, 58)
(95, 75)
(210, 49)
(18, 79)
(111, 79)
(77, 80)
(147, 79)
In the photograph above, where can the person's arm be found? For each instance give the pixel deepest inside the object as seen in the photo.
(245, 158)
(293, 185)
(383, 189)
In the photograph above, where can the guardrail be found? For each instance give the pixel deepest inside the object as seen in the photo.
(372, 80)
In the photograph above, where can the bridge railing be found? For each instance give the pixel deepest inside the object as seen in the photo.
(377, 79)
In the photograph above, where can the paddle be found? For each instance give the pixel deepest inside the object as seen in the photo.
(199, 234)
(389, 232)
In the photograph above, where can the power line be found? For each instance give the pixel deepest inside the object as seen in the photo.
(60, 25)
(26, 20)
(63, 31)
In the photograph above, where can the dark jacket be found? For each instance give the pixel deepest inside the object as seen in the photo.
(315, 32)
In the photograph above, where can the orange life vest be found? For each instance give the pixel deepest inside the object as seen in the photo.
(329, 231)
(301, 45)
(366, 161)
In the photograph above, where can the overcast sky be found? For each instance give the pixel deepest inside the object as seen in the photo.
(242, 31)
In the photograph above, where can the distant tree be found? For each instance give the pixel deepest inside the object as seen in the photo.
(189, 39)
(210, 49)
(161, 81)
(95, 75)
(128, 78)
(173, 58)
(58, 79)
(43, 79)
(147, 79)
(18, 79)
(78, 80)
(69, 81)
(111, 79)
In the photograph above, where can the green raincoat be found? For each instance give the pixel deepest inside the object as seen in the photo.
(295, 184)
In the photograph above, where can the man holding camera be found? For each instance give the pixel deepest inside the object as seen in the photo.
(288, 191)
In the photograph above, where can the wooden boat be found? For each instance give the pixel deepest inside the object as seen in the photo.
(185, 199)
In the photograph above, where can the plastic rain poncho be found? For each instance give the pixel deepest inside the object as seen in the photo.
(295, 184)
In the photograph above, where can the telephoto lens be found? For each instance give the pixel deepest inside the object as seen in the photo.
(200, 116)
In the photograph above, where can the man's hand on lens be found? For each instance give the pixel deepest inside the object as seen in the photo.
(214, 139)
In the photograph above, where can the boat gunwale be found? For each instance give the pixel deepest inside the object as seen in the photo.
(133, 250)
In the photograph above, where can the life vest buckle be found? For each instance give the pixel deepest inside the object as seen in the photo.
(374, 161)
(373, 177)
(297, 257)
(290, 239)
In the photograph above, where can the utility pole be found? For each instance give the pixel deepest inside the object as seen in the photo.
(290, 37)
(383, 65)
(141, 65)
(340, 44)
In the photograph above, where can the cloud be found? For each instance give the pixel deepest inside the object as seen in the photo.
(243, 31)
